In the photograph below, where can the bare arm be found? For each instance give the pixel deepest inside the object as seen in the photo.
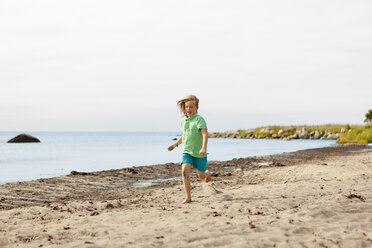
(177, 143)
(203, 150)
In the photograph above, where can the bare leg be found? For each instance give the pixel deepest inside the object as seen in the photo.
(186, 169)
(204, 175)
(207, 176)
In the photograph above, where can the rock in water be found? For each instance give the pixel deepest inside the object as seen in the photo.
(23, 138)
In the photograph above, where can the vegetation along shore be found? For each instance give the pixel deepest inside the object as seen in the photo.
(341, 133)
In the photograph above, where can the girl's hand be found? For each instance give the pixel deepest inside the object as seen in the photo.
(174, 145)
(171, 147)
(202, 152)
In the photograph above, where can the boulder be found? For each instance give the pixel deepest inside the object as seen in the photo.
(317, 134)
(210, 135)
(232, 134)
(332, 136)
(294, 136)
(23, 138)
(247, 135)
(266, 130)
(305, 130)
(303, 134)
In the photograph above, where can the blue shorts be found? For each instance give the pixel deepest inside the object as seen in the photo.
(198, 163)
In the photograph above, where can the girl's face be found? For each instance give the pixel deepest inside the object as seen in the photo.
(190, 108)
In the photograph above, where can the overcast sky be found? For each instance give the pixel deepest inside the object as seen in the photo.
(122, 65)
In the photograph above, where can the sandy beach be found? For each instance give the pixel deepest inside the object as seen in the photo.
(312, 198)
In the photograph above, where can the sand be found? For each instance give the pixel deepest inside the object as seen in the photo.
(314, 198)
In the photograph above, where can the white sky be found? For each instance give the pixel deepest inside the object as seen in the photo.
(113, 65)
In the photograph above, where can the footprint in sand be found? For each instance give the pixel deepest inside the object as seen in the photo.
(209, 189)
(227, 198)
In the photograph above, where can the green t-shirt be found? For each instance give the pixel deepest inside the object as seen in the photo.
(192, 138)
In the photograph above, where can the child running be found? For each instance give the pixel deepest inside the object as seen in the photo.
(194, 141)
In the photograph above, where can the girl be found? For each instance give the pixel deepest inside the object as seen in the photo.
(194, 141)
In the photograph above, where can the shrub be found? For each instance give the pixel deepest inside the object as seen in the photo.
(368, 117)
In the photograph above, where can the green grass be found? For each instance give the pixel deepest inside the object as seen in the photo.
(360, 135)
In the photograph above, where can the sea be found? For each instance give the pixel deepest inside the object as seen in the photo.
(59, 153)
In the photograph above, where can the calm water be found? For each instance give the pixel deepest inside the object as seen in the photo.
(60, 153)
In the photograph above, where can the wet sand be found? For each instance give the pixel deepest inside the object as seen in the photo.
(311, 198)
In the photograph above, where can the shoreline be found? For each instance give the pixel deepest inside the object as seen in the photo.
(35, 161)
(53, 171)
(77, 185)
(310, 198)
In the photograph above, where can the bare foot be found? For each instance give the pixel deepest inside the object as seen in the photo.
(207, 176)
(186, 201)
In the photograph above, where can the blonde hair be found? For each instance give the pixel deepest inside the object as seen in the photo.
(181, 103)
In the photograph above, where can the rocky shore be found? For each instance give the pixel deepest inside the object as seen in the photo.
(282, 133)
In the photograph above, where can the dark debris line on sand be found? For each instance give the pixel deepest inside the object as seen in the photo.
(351, 196)
(113, 184)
